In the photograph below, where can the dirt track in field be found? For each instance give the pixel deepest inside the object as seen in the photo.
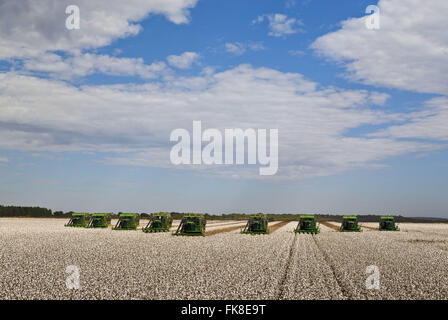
(330, 225)
(226, 229)
(370, 228)
(278, 225)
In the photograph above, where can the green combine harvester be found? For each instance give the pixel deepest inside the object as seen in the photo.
(257, 224)
(350, 224)
(388, 224)
(99, 220)
(159, 222)
(78, 220)
(127, 221)
(191, 225)
(307, 224)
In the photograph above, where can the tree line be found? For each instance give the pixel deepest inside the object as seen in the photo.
(38, 212)
(12, 211)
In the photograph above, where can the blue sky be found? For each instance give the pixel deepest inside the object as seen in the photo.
(85, 115)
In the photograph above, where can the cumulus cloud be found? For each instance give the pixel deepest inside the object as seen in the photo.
(290, 4)
(430, 123)
(29, 28)
(34, 33)
(409, 51)
(297, 52)
(379, 98)
(239, 48)
(81, 65)
(279, 24)
(236, 48)
(183, 61)
(135, 121)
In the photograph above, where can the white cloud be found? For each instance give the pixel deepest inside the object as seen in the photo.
(409, 51)
(238, 48)
(290, 4)
(379, 98)
(431, 123)
(81, 65)
(296, 52)
(3, 159)
(34, 33)
(183, 61)
(29, 28)
(135, 121)
(279, 24)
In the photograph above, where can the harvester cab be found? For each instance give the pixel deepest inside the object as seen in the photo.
(388, 224)
(100, 220)
(307, 224)
(127, 221)
(350, 224)
(159, 222)
(257, 224)
(78, 220)
(191, 225)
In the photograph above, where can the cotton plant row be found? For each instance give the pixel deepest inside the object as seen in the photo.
(432, 228)
(309, 276)
(408, 267)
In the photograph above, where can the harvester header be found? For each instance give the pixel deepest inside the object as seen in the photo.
(100, 220)
(127, 221)
(78, 220)
(387, 223)
(257, 224)
(350, 224)
(191, 225)
(159, 222)
(307, 224)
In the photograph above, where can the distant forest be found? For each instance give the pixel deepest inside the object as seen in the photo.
(37, 212)
(12, 211)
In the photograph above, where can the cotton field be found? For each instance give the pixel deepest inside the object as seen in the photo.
(42, 259)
